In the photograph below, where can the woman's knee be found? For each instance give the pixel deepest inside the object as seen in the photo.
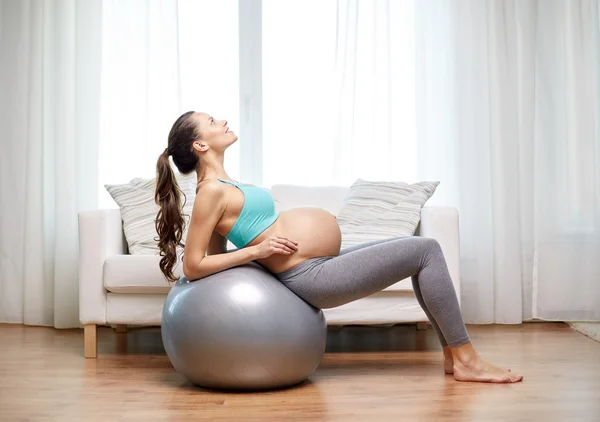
(428, 243)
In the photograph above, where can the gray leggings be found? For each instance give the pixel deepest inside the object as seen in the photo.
(361, 270)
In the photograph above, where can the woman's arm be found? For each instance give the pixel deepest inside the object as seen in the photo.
(212, 264)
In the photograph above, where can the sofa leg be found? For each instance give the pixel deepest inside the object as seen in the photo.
(121, 328)
(90, 341)
(421, 326)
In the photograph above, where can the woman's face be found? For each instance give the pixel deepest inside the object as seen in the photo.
(214, 133)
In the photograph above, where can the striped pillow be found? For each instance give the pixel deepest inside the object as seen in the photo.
(380, 210)
(138, 211)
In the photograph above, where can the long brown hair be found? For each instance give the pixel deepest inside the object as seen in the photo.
(170, 222)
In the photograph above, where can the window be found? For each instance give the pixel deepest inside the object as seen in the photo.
(327, 87)
(161, 59)
(298, 78)
(338, 91)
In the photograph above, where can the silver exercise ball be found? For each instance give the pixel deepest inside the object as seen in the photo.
(241, 329)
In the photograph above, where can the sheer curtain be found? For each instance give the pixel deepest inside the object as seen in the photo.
(160, 59)
(338, 91)
(523, 114)
(499, 100)
(90, 90)
(49, 123)
(298, 75)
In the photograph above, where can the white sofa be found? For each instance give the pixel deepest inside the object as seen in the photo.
(116, 288)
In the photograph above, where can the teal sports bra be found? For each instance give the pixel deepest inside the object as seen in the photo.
(258, 213)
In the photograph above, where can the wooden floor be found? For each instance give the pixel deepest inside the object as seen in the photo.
(367, 374)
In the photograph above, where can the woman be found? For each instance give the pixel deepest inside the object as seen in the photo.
(301, 247)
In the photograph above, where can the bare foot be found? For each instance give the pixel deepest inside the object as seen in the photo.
(449, 361)
(449, 365)
(478, 370)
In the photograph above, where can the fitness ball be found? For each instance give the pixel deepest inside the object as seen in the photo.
(241, 329)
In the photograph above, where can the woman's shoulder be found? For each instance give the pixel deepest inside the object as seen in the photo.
(211, 187)
(210, 196)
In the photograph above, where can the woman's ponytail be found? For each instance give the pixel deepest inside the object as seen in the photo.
(169, 220)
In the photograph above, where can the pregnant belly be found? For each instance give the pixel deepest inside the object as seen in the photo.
(316, 231)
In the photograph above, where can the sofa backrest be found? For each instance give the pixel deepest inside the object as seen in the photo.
(330, 198)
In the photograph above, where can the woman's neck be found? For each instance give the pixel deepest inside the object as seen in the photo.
(212, 173)
(212, 168)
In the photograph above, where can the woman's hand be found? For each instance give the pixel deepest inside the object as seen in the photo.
(275, 244)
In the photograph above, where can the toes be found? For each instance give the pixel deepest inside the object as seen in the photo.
(515, 377)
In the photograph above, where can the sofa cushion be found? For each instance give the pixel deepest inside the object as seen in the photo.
(380, 210)
(329, 198)
(139, 211)
(140, 274)
(136, 274)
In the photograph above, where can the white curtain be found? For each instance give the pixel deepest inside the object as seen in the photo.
(49, 108)
(338, 91)
(88, 93)
(515, 86)
(160, 59)
(499, 100)
(374, 92)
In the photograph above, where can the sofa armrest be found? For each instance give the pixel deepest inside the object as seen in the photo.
(100, 236)
(441, 223)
